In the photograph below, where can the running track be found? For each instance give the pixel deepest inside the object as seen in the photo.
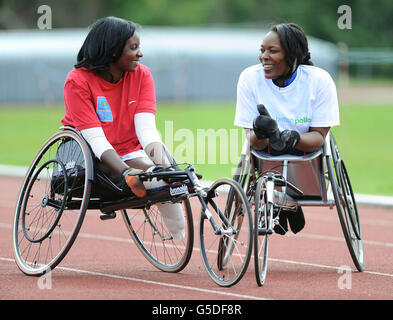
(104, 264)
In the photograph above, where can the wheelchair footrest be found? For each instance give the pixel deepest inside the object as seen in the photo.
(108, 215)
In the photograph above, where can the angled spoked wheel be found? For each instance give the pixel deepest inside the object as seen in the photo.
(226, 252)
(346, 205)
(52, 203)
(151, 235)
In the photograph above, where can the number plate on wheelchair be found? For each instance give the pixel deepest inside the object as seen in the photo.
(175, 191)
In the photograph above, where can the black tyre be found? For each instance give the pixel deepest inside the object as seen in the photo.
(52, 203)
(262, 229)
(346, 205)
(226, 254)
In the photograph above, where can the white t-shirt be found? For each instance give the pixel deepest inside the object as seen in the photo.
(309, 101)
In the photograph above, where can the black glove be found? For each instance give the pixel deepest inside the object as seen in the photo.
(287, 141)
(264, 126)
(262, 110)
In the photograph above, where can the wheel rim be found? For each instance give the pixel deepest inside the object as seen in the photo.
(346, 193)
(342, 192)
(45, 218)
(226, 256)
(41, 238)
(261, 239)
(155, 242)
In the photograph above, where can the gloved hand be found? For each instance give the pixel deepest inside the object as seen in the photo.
(130, 178)
(287, 141)
(264, 126)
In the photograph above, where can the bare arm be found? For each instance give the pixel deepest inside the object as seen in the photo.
(313, 140)
(112, 160)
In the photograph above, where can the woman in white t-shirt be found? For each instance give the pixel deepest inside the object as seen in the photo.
(286, 104)
(300, 98)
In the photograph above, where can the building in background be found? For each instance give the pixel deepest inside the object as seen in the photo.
(187, 63)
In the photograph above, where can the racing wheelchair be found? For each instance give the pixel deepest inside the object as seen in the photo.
(287, 182)
(64, 181)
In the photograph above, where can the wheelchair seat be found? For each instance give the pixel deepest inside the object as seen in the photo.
(305, 171)
(102, 188)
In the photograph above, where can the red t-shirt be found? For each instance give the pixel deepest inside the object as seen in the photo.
(90, 102)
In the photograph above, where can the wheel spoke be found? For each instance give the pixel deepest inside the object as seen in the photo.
(43, 230)
(226, 254)
(150, 233)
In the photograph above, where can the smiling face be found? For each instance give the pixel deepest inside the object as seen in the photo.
(129, 59)
(272, 56)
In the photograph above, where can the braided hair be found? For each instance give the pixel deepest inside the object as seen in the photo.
(295, 44)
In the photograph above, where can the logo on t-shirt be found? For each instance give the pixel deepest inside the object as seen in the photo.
(103, 109)
(297, 121)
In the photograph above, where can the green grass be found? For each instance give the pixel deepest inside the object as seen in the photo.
(364, 138)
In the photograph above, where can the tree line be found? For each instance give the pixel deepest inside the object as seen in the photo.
(370, 19)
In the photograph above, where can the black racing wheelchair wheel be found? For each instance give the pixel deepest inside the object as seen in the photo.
(345, 204)
(52, 203)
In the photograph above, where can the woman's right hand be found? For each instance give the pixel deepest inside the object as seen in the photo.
(131, 179)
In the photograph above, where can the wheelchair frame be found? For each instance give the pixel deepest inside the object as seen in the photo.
(62, 183)
(323, 180)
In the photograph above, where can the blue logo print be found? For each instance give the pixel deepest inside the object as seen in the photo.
(103, 109)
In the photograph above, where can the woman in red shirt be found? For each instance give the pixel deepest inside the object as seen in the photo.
(110, 98)
(106, 93)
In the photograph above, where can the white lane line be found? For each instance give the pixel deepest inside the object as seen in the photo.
(311, 236)
(213, 291)
(159, 283)
(341, 239)
(328, 267)
(363, 221)
(304, 235)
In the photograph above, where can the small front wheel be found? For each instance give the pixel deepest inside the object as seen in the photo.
(226, 232)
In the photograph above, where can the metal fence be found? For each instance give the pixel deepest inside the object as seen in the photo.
(187, 63)
(365, 62)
